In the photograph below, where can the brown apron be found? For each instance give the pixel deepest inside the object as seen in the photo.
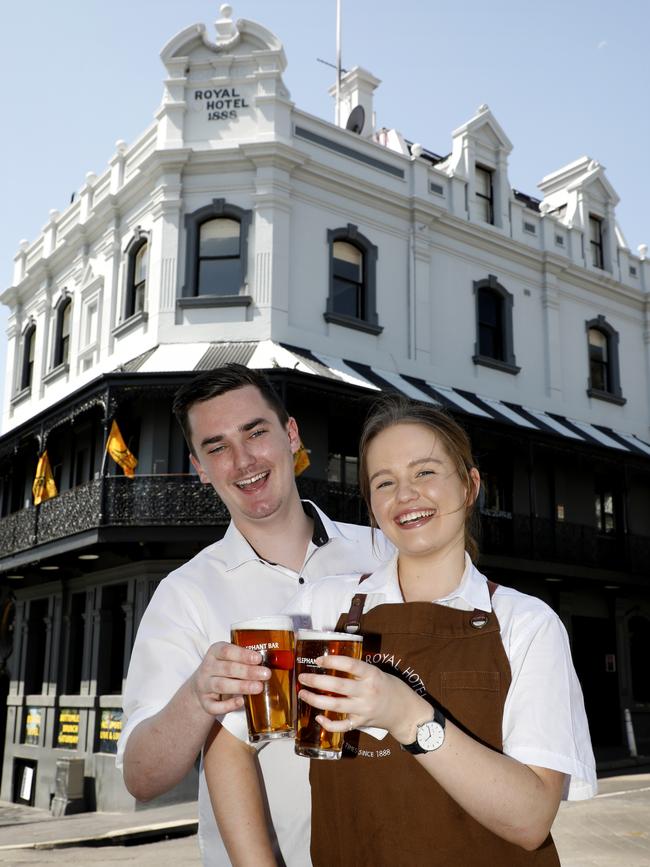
(377, 806)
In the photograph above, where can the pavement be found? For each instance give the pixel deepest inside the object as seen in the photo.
(611, 830)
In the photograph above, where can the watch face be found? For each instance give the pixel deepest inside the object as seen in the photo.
(430, 736)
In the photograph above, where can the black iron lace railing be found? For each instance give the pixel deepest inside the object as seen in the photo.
(168, 501)
(181, 500)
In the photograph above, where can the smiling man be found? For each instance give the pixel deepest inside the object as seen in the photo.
(183, 672)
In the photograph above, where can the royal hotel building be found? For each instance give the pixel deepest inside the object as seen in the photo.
(345, 261)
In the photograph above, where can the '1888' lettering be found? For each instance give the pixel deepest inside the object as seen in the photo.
(222, 103)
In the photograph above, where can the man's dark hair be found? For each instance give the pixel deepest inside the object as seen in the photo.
(221, 380)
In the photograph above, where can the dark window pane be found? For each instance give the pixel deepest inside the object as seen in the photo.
(219, 276)
(345, 298)
(489, 308)
(490, 325)
(347, 270)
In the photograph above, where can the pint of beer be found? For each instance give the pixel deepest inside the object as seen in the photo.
(270, 713)
(312, 740)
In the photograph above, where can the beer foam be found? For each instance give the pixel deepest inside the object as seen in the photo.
(315, 635)
(276, 621)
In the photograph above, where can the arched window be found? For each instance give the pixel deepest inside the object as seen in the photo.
(604, 371)
(62, 332)
(29, 349)
(348, 291)
(494, 336)
(217, 256)
(353, 277)
(137, 267)
(599, 368)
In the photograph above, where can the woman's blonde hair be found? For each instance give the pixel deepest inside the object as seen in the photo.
(395, 409)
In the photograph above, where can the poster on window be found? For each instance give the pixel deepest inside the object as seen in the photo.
(33, 724)
(110, 728)
(67, 736)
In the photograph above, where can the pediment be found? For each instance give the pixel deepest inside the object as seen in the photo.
(486, 128)
(584, 174)
(235, 38)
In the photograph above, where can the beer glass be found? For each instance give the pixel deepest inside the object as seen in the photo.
(270, 713)
(312, 740)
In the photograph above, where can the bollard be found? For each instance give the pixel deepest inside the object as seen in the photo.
(629, 731)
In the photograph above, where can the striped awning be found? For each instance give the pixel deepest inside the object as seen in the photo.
(268, 354)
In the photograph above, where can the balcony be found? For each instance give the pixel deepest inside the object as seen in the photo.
(543, 539)
(182, 501)
(146, 501)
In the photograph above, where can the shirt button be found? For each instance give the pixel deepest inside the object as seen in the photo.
(301, 580)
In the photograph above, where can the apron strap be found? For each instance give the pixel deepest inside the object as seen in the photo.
(352, 620)
(479, 619)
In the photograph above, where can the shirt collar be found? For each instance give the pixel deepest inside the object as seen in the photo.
(236, 550)
(472, 591)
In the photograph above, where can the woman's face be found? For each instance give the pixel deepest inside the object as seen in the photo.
(416, 494)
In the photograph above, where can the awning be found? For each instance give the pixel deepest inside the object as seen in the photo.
(268, 354)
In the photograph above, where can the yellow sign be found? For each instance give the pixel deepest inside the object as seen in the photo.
(68, 734)
(33, 724)
(110, 729)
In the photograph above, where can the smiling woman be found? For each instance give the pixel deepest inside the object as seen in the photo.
(457, 671)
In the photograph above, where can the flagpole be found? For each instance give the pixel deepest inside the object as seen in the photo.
(338, 62)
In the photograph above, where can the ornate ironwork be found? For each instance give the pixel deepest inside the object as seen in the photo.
(161, 500)
(71, 512)
(181, 500)
(17, 532)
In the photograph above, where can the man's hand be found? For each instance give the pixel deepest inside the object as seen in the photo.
(225, 675)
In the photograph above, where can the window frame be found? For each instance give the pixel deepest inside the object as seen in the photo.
(217, 209)
(597, 247)
(489, 199)
(27, 367)
(614, 392)
(369, 323)
(58, 360)
(507, 364)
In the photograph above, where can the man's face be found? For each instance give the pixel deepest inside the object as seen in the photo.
(245, 453)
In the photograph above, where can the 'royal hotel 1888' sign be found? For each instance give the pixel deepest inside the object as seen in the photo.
(220, 103)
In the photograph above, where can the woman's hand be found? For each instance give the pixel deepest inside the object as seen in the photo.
(368, 696)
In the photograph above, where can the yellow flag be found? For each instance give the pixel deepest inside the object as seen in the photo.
(116, 447)
(44, 486)
(300, 460)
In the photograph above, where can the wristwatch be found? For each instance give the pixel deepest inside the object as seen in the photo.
(429, 735)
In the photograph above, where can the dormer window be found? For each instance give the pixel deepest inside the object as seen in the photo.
(485, 194)
(596, 241)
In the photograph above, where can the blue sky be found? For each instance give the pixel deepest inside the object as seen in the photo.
(564, 78)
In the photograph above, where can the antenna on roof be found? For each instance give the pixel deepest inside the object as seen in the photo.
(338, 63)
